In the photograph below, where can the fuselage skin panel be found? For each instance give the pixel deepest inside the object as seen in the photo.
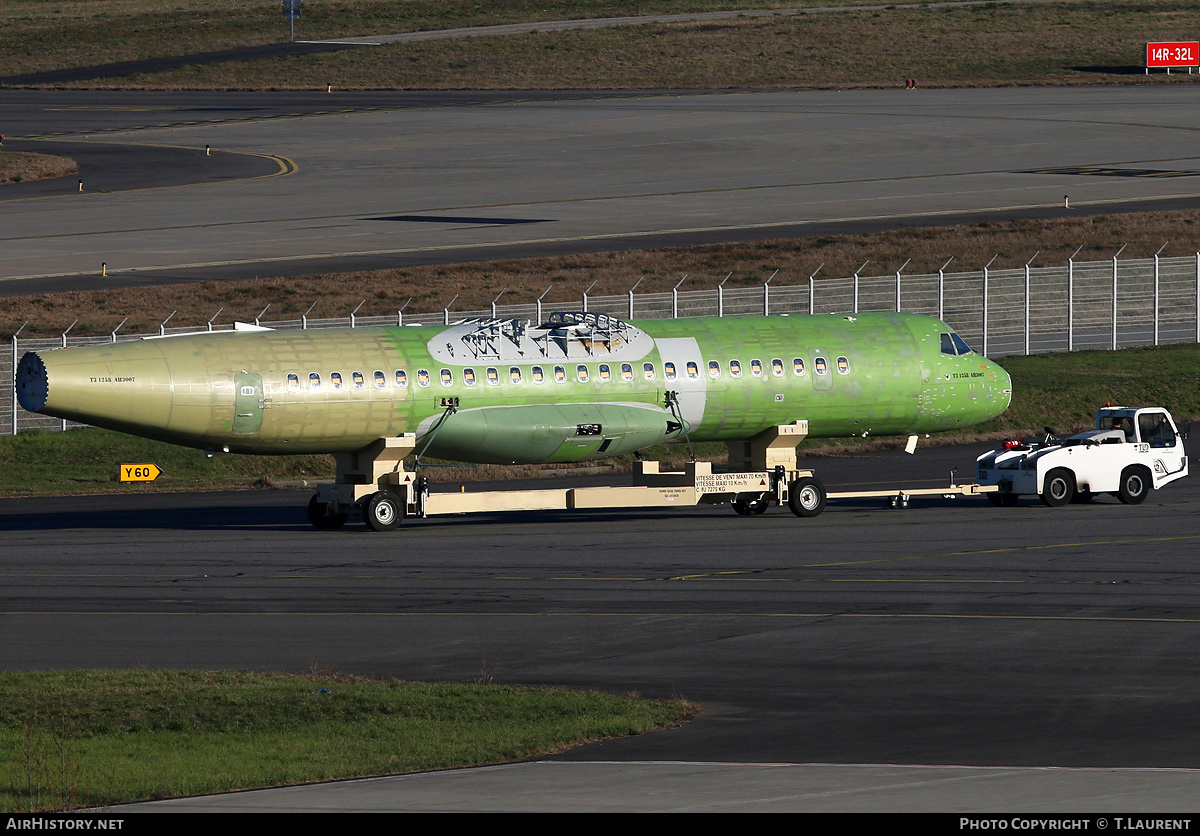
(486, 392)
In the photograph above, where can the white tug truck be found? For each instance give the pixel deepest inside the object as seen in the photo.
(1132, 451)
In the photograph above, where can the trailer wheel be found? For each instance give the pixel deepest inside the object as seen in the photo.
(755, 505)
(1059, 488)
(383, 511)
(806, 496)
(321, 518)
(1135, 485)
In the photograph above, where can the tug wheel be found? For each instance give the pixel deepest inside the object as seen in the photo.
(1059, 488)
(1135, 485)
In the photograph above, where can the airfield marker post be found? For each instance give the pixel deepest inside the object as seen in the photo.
(539, 304)
(355, 311)
(721, 296)
(585, 294)
(304, 317)
(400, 313)
(675, 293)
(446, 310)
(114, 331)
(812, 288)
(214, 317)
(497, 299)
(631, 290)
(258, 319)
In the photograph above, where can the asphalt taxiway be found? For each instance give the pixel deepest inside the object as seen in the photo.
(393, 179)
(952, 656)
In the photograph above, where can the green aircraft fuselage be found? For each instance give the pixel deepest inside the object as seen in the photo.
(580, 386)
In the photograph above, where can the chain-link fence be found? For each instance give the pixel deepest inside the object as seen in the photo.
(1081, 305)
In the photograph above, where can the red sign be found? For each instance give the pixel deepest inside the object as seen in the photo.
(1173, 54)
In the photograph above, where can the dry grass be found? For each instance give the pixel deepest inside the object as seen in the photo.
(42, 35)
(477, 285)
(1087, 42)
(24, 167)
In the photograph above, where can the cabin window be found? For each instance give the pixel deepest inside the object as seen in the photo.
(335, 380)
(648, 370)
(293, 382)
(422, 377)
(493, 376)
(626, 372)
(692, 369)
(797, 366)
(669, 371)
(401, 378)
(1156, 430)
(469, 377)
(447, 377)
(756, 368)
(605, 372)
(380, 379)
(560, 374)
(314, 381)
(735, 368)
(514, 374)
(359, 382)
(714, 369)
(843, 365)
(820, 365)
(581, 372)
(777, 367)
(537, 374)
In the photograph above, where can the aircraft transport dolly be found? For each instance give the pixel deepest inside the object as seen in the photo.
(374, 483)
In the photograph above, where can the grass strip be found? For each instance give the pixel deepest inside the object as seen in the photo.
(1065, 43)
(25, 167)
(93, 738)
(1060, 390)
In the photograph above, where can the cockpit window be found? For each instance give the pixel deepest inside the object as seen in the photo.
(954, 345)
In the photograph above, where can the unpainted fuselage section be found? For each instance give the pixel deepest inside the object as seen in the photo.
(580, 386)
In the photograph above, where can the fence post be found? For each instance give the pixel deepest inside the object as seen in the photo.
(540, 319)
(985, 304)
(1027, 294)
(446, 310)
(767, 294)
(1156, 308)
(812, 288)
(856, 272)
(1114, 296)
(898, 272)
(214, 317)
(355, 311)
(585, 293)
(400, 314)
(114, 331)
(258, 319)
(721, 295)
(304, 317)
(14, 379)
(64, 345)
(675, 294)
(1071, 299)
(942, 289)
(631, 290)
(497, 299)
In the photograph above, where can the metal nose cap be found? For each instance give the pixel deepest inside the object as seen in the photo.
(32, 384)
